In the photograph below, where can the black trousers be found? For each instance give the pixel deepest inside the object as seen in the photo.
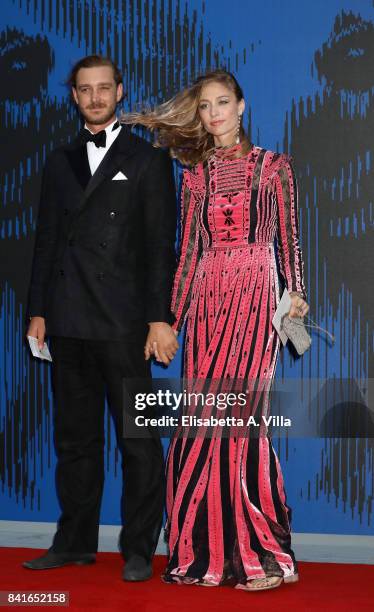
(84, 372)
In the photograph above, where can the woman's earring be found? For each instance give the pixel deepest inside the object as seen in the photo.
(237, 140)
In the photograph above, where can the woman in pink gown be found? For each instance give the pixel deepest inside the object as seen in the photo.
(227, 517)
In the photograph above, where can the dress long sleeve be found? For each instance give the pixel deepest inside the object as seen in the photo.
(160, 220)
(190, 251)
(290, 255)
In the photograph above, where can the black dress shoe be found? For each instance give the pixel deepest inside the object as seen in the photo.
(52, 560)
(137, 569)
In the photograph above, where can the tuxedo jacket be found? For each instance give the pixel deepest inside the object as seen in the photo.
(104, 255)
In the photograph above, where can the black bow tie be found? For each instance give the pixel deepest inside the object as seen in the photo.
(99, 139)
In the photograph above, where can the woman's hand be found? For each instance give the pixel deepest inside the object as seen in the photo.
(299, 307)
(161, 342)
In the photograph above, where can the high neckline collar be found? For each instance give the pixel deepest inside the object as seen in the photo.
(228, 151)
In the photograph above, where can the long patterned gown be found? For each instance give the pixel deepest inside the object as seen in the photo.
(226, 508)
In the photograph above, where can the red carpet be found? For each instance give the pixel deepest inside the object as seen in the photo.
(325, 587)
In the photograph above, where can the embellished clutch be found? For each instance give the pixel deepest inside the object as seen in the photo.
(295, 330)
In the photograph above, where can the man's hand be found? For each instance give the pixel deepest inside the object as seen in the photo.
(161, 342)
(37, 330)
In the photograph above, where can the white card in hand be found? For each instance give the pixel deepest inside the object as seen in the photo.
(40, 353)
(283, 308)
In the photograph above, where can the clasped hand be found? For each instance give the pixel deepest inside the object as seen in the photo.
(161, 342)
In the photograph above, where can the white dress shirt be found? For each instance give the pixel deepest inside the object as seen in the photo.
(97, 154)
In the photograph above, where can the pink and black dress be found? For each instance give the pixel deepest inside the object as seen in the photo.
(226, 508)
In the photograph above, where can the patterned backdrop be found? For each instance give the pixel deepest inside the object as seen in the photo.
(306, 69)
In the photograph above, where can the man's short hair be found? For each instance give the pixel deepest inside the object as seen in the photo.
(94, 61)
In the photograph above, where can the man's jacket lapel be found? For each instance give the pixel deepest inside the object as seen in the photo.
(105, 168)
(123, 147)
(78, 159)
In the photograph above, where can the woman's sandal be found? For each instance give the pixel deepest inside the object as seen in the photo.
(227, 577)
(268, 582)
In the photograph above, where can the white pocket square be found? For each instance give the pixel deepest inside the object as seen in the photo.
(119, 177)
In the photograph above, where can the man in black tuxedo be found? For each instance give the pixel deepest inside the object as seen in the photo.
(100, 289)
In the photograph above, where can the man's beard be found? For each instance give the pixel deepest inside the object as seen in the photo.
(98, 120)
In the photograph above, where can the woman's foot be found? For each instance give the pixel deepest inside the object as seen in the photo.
(266, 583)
(263, 584)
(206, 583)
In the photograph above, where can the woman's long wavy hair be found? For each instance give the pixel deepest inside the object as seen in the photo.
(177, 122)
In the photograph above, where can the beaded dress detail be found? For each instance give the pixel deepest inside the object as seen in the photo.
(226, 508)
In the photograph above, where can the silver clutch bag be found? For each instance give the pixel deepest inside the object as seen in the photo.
(295, 330)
